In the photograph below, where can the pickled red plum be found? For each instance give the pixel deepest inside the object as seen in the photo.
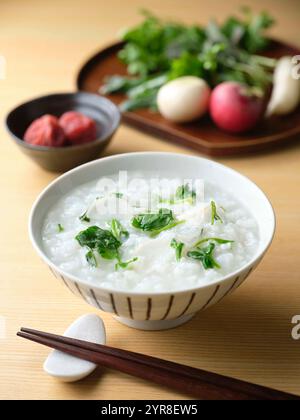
(45, 131)
(78, 128)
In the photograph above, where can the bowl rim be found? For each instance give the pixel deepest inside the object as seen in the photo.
(86, 284)
(115, 123)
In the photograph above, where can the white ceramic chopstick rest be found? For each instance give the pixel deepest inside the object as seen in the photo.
(68, 368)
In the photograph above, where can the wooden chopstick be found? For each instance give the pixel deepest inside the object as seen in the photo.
(195, 382)
(242, 389)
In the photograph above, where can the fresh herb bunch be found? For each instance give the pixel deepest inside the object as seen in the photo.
(156, 51)
(155, 222)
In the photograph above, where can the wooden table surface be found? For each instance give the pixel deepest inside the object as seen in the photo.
(248, 335)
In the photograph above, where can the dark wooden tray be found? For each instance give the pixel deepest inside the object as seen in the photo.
(202, 135)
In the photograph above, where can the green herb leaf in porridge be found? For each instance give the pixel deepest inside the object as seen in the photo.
(205, 255)
(214, 214)
(84, 217)
(169, 226)
(125, 264)
(155, 222)
(91, 259)
(101, 240)
(118, 230)
(184, 193)
(105, 243)
(178, 246)
(60, 228)
(213, 239)
(119, 195)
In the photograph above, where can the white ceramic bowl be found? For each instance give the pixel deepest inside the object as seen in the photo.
(156, 310)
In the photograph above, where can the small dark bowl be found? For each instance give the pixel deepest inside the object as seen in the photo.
(60, 159)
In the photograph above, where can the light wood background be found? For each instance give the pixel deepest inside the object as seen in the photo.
(249, 334)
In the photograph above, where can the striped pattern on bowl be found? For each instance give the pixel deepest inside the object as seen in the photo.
(153, 307)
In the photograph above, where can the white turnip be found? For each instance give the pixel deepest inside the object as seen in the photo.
(184, 99)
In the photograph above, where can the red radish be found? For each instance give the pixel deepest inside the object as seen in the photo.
(234, 108)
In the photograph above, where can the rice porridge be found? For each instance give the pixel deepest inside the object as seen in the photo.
(149, 235)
